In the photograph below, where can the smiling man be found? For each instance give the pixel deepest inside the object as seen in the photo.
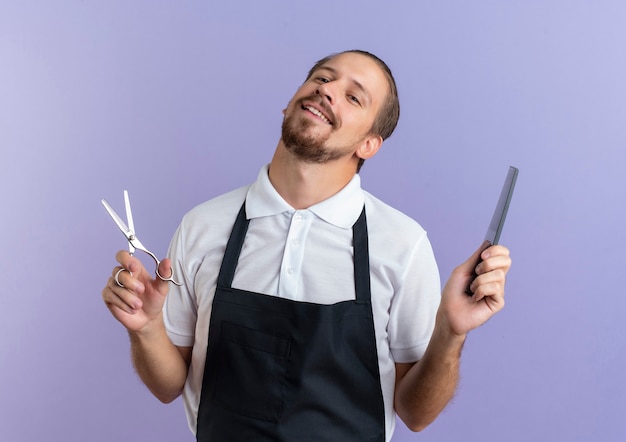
(319, 100)
(310, 310)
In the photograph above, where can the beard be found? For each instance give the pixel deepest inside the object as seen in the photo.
(305, 144)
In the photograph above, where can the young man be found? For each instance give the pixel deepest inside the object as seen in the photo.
(310, 310)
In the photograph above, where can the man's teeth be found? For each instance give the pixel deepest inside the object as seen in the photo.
(318, 113)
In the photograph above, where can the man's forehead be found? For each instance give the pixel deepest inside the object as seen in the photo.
(362, 70)
(353, 62)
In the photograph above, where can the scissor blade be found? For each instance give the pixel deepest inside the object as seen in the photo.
(121, 224)
(129, 218)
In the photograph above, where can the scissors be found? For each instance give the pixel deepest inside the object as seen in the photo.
(129, 233)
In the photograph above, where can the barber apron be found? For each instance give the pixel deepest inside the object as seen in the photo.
(290, 371)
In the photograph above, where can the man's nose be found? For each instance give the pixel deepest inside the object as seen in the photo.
(326, 90)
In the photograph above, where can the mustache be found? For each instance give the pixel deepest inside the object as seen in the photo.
(322, 104)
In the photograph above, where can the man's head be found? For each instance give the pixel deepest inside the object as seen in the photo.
(387, 118)
(347, 105)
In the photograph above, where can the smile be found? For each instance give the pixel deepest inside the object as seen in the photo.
(317, 113)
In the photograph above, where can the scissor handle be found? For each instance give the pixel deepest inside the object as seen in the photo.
(170, 279)
(156, 271)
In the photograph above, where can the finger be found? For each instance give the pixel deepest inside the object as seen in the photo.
(165, 270)
(463, 276)
(489, 284)
(125, 279)
(469, 266)
(492, 294)
(481, 251)
(123, 258)
(135, 266)
(495, 250)
(117, 275)
(496, 276)
(500, 262)
(122, 298)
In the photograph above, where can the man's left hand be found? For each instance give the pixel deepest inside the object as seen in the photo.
(462, 312)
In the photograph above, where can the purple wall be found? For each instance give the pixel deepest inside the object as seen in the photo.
(180, 101)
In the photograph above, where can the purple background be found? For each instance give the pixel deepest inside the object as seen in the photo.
(180, 101)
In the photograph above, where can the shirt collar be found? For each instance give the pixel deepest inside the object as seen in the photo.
(341, 209)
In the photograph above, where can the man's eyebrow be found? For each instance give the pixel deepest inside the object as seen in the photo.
(358, 85)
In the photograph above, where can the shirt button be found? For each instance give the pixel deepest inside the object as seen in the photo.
(290, 270)
(298, 217)
(295, 242)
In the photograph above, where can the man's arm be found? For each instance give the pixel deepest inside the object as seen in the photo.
(161, 366)
(138, 305)
(424, 388)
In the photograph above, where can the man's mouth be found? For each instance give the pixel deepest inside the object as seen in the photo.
(317, 113)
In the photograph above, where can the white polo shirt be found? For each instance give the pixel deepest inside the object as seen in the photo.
(305, 255)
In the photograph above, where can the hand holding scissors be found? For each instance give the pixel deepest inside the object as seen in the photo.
(133, 241)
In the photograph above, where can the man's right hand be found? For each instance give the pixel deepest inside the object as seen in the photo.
(162, 366)
(139, 303)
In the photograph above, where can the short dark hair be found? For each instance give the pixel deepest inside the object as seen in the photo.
(387, 118)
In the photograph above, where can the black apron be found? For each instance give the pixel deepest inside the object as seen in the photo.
(289, 371)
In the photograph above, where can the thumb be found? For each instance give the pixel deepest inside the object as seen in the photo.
(165, 270)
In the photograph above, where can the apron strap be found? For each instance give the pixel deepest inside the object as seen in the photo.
(361, 260)
(233, 249)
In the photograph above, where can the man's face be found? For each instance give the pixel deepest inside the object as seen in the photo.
(332, 113)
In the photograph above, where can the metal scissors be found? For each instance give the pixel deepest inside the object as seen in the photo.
(129, 233)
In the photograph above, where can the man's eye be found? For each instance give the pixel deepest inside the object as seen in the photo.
(323, 79)
(353, 98)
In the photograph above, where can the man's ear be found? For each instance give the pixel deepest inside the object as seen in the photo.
(369, 146)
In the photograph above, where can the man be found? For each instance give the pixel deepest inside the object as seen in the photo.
(309, 309)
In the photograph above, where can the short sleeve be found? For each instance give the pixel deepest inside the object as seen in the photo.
(414, 304)
(180, 308)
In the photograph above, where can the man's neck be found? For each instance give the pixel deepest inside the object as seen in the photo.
(302, 184)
